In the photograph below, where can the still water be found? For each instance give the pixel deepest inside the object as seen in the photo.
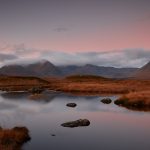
(111, 128)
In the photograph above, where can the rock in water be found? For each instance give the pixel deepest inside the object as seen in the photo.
(53, 135)
(36, 90)
(71, 105)
(77, 123)
(106, 100)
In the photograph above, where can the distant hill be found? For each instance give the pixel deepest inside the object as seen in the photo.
(46, 69)
(40, 69)
(143, 73)
(109, 72)
(15, 70)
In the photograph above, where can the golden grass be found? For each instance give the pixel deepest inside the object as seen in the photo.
(13, 139)
(135, 93)
(90, 85)
(141, 95)
(76, 84)
(20, 83)
(135, 100)
(100, 86)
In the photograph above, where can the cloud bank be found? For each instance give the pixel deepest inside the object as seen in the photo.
(120, 58)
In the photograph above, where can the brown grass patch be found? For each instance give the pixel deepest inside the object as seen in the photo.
(136, 100)
(91, 85)
(13, 139)
(20, 83)
(99, 85)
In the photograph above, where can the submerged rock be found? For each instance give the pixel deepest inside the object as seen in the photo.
(77, 123)
(106, 100)
(53, 135)
(71, 105)
(36, 90)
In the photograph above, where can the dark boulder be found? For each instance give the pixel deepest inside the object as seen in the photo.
(106, 100)
(37, 90)
(53, 135)
(71, 105)
(77, 123)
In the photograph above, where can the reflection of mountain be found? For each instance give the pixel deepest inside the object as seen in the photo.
(46, 68)
(56, 100)
(15, 95)
(22, 109)
(21, 96)
(48, 96)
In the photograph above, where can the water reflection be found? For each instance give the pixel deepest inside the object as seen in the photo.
(112, 127)
(14, 95)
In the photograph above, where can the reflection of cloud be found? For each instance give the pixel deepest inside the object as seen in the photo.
(14, 95)
(14, 112)
(7, 106)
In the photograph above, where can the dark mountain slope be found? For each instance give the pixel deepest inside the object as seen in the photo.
(88, 69)
(46, 68)
(144, 72)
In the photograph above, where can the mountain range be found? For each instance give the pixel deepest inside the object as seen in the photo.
(46, 69)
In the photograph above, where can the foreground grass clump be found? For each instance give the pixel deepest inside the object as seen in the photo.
(135, 100)
(13, 139)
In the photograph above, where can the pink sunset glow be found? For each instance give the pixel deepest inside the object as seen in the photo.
(60, 30)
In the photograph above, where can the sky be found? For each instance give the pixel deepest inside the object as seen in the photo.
(101, 32)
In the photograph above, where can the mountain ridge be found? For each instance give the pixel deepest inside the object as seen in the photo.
(46, 68)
